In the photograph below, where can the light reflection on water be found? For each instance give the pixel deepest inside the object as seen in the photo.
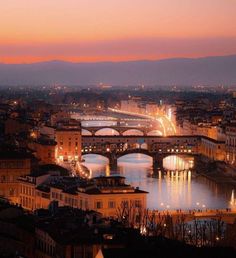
(184, 190)
(172, 190)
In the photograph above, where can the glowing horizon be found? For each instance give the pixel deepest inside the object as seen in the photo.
(91, 31)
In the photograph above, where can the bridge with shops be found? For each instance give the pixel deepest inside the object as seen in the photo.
(157, 147)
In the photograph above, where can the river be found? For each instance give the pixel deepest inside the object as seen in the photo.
(182, 190)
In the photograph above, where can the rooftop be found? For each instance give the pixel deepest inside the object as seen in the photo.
(99, 185)
(45, 141)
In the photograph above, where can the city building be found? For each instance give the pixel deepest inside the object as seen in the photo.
(44, 150)
(47, 131)
(68, 233)
(103, 194)
(13, 126)
(130, 106)
(151, 109)
(230, 144)
(59, 232)
(212, 149)
(13, 164)
(68, 138)
(30, 196)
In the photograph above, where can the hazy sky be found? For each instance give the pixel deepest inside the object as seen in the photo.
(102, 30)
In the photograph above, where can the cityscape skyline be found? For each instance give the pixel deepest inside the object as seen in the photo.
(118, 129)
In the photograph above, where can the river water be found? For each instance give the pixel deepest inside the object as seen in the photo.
(181, 190)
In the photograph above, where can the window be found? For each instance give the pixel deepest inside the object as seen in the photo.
(11, 191)
(111, 204)
(137, 203)
(125, 204)
(98, 205)
(3, 179)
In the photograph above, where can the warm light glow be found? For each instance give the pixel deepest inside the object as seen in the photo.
(92, 30)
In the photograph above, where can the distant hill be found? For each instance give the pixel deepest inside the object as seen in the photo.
(179, 71)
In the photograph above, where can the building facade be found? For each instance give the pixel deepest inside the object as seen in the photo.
(12, 166)
(212, 149)
(103, 194)
(68, 138)
(45, 150)
(230, 144)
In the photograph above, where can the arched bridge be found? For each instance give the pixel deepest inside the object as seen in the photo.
(123, 130)
(156, 147)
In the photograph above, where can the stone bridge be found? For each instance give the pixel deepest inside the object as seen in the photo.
(122, 130)
(157, 147)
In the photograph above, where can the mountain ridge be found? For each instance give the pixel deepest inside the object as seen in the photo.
(178, 71)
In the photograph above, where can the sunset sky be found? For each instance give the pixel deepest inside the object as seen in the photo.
(115, 30)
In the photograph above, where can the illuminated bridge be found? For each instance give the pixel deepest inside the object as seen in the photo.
(157, 147)
(109, 118)
(124, 130)
(167, 125)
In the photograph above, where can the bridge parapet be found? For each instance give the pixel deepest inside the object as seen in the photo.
(123, 129)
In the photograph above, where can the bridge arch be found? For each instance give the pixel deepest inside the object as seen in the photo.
(136, 160)
(179, 162)
(90, 154)
(103, 131)
(133, 132)
(134, 151)
(86, 132)
(155, 133)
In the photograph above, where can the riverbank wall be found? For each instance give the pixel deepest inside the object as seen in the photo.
(217, 171)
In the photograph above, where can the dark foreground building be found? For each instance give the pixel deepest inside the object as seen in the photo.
(64, 232)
